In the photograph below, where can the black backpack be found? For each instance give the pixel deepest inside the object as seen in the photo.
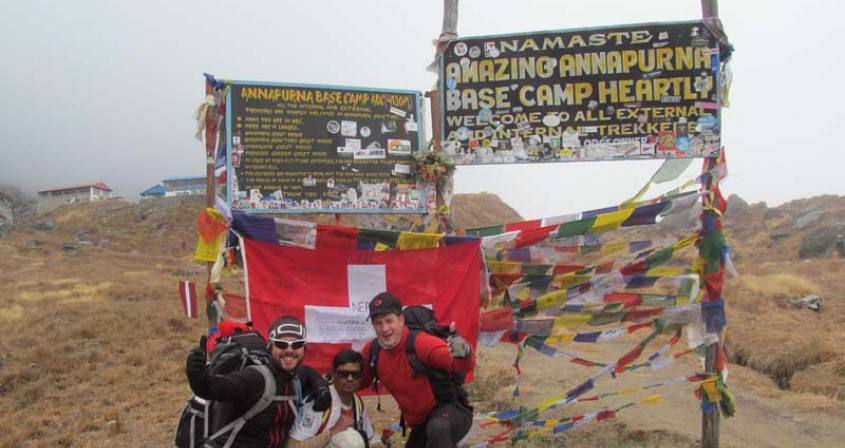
(203, 422)
(447, 387)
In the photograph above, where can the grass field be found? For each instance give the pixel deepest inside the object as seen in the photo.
(94, 343)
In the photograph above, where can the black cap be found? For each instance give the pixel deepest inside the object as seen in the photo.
(384, 303)
(286, 326)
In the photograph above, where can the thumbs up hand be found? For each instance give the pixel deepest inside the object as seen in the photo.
(458, 346)
(197, 357)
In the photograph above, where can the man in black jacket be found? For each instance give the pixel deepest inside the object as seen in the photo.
(270, 427)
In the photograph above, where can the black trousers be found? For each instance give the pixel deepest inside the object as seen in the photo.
(446, 425)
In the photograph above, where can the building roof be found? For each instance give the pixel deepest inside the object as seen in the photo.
(175, 179)
(157, 190)
(98, 185)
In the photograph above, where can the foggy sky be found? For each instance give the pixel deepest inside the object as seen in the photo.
(105, 90)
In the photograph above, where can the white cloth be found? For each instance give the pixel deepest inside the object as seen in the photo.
(309, 425)
(348, 438)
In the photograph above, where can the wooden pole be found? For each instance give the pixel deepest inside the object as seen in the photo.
(210, 146)
(450, 16)
(449, 28)
(210, 142)
(709, 8)
(710, 420)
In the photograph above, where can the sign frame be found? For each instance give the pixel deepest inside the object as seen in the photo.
(716, 74)
(425, 193)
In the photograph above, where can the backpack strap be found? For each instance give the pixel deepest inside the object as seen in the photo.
(445, 387)
(372, 359)
(324, 421)
(414, 360)
(196, 414)
(266, 398)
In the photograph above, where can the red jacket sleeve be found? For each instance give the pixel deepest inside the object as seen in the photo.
(434, 352)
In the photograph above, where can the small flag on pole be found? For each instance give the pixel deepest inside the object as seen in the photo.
(188, 292)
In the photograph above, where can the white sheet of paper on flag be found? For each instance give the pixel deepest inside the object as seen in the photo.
(188, 293)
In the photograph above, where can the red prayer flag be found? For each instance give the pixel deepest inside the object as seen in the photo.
(636, 327)
(524, 225)
(628, 358)
(566, 268)
(336, 237)
(642, 314)
(496, 320)
(188, 293)
(528, 237)
(627, 299)
(713, 285)
(330, 289)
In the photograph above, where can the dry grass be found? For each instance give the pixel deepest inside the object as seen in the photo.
(774, 338)
(776, 286)
(94, 343)
(826, 379)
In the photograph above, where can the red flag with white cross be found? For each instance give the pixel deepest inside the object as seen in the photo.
(330, 289)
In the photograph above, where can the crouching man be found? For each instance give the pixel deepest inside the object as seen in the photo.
(346, 424)
(418, 369)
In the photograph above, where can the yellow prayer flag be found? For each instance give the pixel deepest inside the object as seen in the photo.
(545, 404)
(612, 220)
(654, 399)
(564, 336)
(711, 390)
(684, 243)
(416, 240)
(665, 271)
(551, 299)
(572, 320)
(614, 248)
(524, 293)
(630, 390)
(381, 247)
(502, 267)
(566, 280)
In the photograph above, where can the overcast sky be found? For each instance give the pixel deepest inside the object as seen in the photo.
(105, 90)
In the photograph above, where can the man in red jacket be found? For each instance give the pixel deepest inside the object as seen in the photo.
(437, 418)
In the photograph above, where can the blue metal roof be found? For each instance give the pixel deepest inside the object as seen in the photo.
(157, 190)
(174, 179)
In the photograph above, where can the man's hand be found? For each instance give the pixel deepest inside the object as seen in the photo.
(458, 346)
(344, 422)
(316, 388)
(197, 358)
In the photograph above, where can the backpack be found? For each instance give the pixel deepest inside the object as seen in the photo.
(447, 387)
(203, 422)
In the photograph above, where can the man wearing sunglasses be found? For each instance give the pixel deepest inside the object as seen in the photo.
(347, 422)
(242, 389)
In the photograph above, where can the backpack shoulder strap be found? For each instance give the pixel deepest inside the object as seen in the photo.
(415, 362)
(262, 403)
(324, 421)
(372, 355)
(372, 361)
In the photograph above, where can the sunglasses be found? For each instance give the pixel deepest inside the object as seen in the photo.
(283, 345)
(349, 374)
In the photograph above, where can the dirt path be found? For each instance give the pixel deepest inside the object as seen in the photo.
(765, 417)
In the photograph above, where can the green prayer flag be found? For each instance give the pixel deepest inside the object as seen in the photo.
(486, 231)
(573, 228)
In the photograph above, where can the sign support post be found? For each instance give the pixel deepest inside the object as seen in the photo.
(448, 31)
(710, 420)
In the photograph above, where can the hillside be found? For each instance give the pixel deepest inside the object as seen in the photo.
(94, 339)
